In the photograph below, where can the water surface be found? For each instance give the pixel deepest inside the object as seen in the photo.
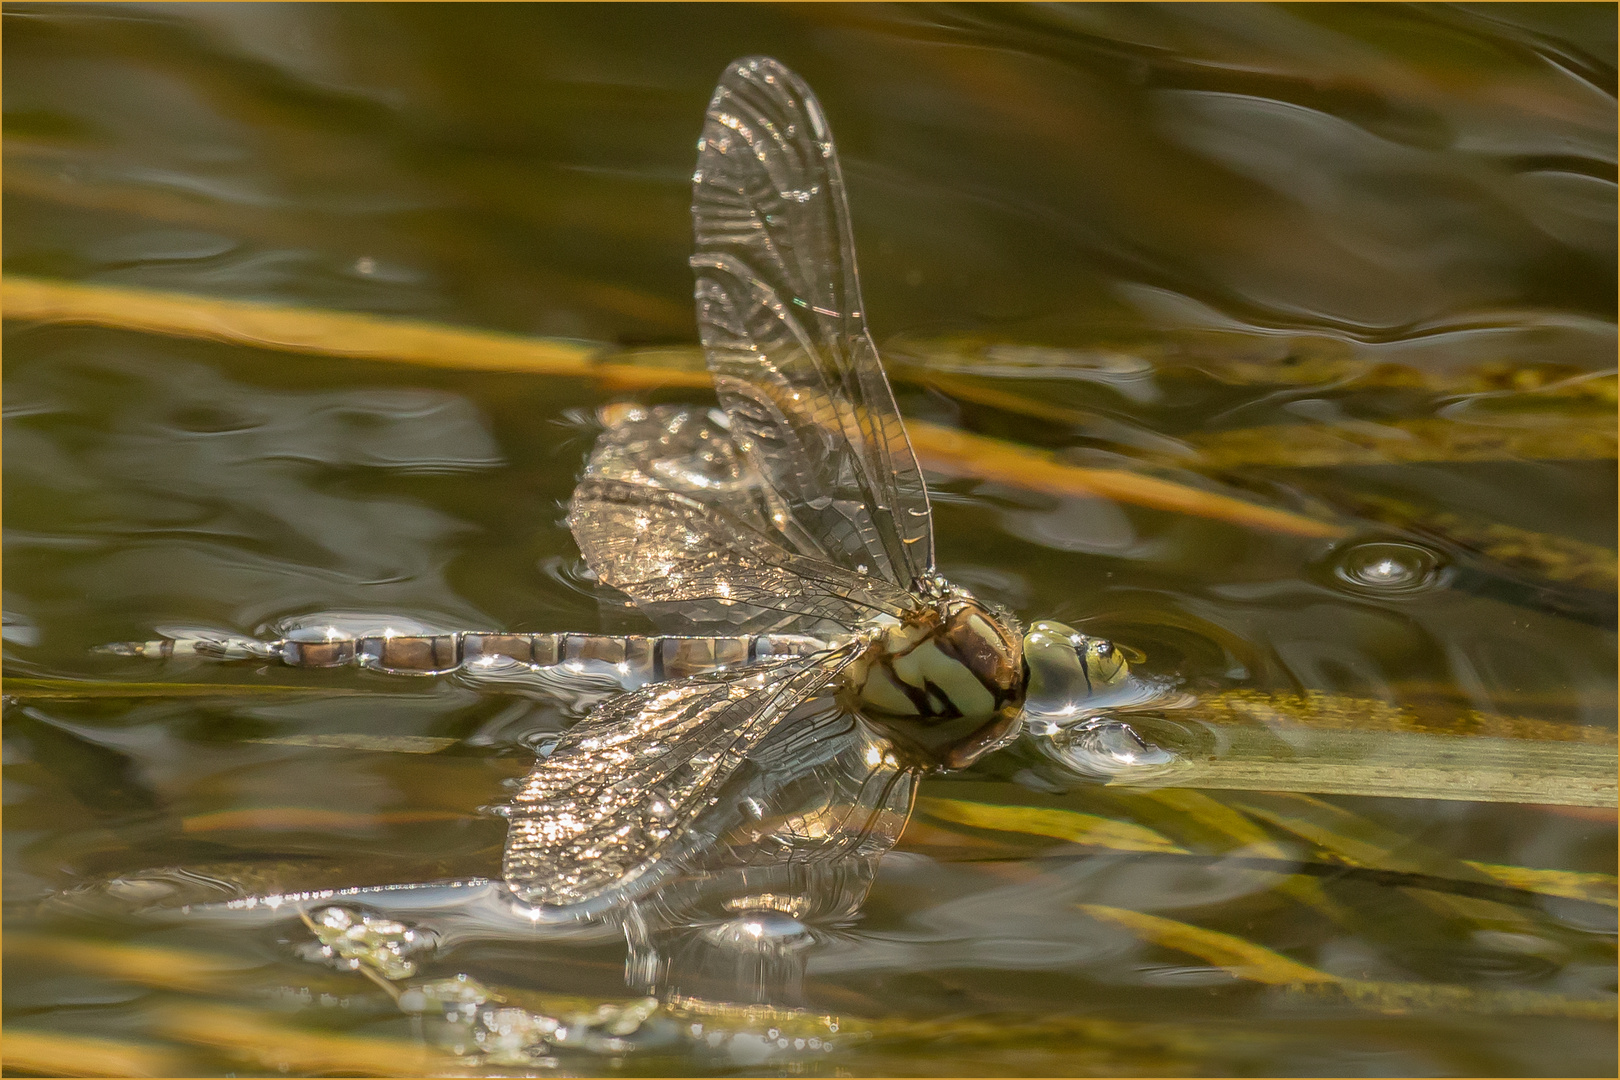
(1356, 263)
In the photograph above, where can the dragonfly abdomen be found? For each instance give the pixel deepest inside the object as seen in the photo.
(633, 658)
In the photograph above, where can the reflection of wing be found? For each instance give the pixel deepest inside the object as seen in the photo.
(625, 793)
(822, 800)
(827, 784)
(684, 562)
(779, 309)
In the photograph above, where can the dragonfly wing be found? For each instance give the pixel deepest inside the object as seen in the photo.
(823, 800)
(685, 450)
(690, 453)
(634, 789)
(779, 310)
(827, 785)
(691, 564)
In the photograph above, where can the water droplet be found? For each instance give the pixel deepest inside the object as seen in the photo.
(1387, 568)
(1112, 749)
(658, 807)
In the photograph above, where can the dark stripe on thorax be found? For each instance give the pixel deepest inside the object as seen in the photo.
(1001, 695)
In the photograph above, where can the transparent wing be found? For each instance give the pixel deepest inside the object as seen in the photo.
(689, 452)
(691, 564)
(803, 827)
(779, 310)
(682, 449)
(624, 796)
(826, 785)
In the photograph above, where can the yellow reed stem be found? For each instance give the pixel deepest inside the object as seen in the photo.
(1255, 963)
(1242, 958)
(143, 965)
(948, 450)
(283, 1048)
(367, 337)
(52, 1053)
(1070, 825)
(289, 329)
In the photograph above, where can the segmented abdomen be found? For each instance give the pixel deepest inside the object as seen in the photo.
(635, 658)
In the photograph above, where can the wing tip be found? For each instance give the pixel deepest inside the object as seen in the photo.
(755, 70)
(760, 64)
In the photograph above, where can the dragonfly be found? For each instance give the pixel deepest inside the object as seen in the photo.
(810, 663)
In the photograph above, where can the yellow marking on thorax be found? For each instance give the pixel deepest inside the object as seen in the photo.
(909, 656)
(926, 664)
(880, 692)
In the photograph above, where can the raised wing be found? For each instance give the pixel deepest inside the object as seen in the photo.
(779, 310)
(694, 588)
(691, 565)
(684, 449)
(636, 787)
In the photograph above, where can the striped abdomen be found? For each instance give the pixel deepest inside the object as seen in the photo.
(634, 659)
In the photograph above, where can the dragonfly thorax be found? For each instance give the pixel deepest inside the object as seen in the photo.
(946, 686)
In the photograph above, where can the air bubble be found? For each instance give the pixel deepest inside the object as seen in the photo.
(760, 929)
(1387, 568)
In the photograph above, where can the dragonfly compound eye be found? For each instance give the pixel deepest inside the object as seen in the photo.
(1105, 663)
(1068, 670)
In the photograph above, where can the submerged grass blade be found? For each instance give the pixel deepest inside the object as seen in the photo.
(1353, 838)
(1255, 963)
(280, 1047)
(1228, 831)
(1204, 825)
(55, 1053)
(1070, 825)
(1223, 828)
(1242, 958)
(144, 965)
(1361, 841)
(1400, 999)
(1573, 437)
(30, 689)
(330, 333)
(1213, 828)
(1571, 884)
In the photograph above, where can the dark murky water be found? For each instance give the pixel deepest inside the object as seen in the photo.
(1264, 252)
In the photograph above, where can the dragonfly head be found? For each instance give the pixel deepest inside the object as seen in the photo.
(1065, 670)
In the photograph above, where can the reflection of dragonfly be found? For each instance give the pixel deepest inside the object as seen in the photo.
(792, 527)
